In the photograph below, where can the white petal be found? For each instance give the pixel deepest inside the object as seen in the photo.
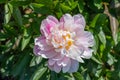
(87, 53)
(75, 53)
(86, 39)
(65, 18)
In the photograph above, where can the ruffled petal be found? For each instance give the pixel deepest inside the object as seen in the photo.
(75, 53)
(87, 53)
(74, 66)
(58, 57)
(66, 17)
(76, 22)
(67, 22)
(57, 68)
(51, 62)
(41, 42)
(43, 49)
(51, 67)
(64, 61)
(79, 19)
(48, 54)
(86, 39)
(67, 66)
(52, 18)
(36, 50)
(47, 24)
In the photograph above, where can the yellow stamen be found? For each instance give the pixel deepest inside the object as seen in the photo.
(69, 43)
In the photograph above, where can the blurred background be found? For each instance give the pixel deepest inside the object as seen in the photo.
(20, 23)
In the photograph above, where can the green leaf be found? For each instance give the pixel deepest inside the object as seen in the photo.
(36, 60)
(26, 38)
(3, 1)
(37, 5)
(95, 47)
(17, 16)
(20, 65)
(101, 78)
(38, 73)
(3, 36)
(47, 3)
(81, 5)
(88, 77)
(65, 8)
(20, 3)
(96, 60)
(74, 5)
(98, 20)
(102, 37)
(78, 76)
(98, 3)
(97, 74)
(8, 12)
(40, 8)
(111, 59)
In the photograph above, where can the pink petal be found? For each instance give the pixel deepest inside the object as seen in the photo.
(79, 19)
(51, 62)
(58, 57)
(64, 61)
(43, 49)
(57, 68)
(47, 24)
(41, 42)
(52, 18)
(51, 67)
(48, 54)
(74, 66)
(36, 50)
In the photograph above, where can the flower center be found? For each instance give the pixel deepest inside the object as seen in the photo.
(62, 39)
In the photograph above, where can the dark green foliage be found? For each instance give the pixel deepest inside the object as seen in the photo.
(20, 22)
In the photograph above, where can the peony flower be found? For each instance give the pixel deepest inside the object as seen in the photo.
(64, 43)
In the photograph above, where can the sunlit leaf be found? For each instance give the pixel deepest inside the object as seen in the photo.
(96, 60)
(65, 8)
(98, 3)
(26, 38)
(36, 60)
(102, 37)
(78, 76)
(8, 12)
(38, 73)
